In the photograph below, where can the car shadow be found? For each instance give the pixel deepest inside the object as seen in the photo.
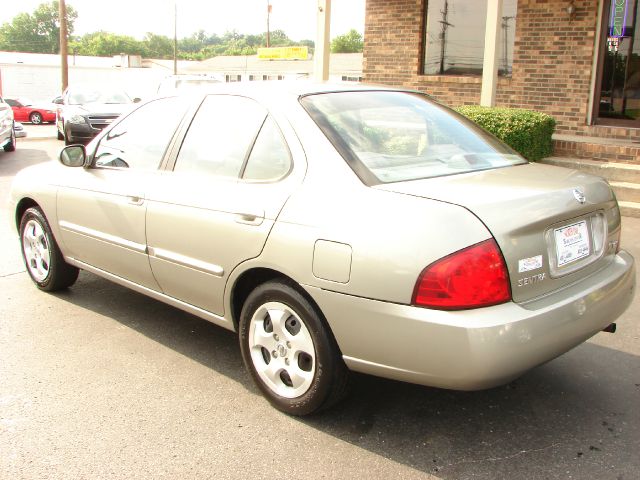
(26, 154)
(575, 417)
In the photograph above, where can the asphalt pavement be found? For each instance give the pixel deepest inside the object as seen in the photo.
(101, 382)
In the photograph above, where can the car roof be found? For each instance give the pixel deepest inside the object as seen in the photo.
(294, 88)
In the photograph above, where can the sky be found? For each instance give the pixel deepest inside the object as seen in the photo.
(137, 17)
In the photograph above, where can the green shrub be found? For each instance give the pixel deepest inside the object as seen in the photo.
(527, 132)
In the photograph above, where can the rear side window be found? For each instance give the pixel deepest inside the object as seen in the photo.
(270, 159)
(220, 136)
(140, 140)
(396, 136)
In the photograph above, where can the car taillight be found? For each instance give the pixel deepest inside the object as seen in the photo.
(470, 278)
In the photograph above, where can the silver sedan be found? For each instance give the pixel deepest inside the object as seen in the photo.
(336, 229)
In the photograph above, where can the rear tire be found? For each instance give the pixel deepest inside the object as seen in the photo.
(289, 350)
(41, 254)
(35, 118)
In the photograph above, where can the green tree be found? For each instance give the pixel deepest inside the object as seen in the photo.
(158, 46)
(277, 38)
(106, 44)
(350, 42)
(38, 32)
(310, 44)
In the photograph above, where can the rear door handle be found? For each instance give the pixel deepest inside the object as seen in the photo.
(249, 218)
(135, 200)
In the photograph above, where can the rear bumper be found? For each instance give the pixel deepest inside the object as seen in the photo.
(474, 349)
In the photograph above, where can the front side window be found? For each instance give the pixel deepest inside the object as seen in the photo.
(140, 140)
(390, 136)
(454, 37)
(220, 136)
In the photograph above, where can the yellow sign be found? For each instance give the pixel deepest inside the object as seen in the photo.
(283, 53)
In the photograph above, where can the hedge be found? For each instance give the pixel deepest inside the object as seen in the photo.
(527, 132)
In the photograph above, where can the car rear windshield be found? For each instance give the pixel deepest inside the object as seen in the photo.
(389, 136)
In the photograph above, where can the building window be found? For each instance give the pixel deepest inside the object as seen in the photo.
(454, 37)
(350, 78)
(258, 78)
(233, 78)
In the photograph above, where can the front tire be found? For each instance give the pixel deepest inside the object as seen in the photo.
(289, 350)
(67, 137)
(41, 254)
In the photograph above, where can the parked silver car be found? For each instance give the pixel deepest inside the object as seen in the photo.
(7, 133)
(335, 228)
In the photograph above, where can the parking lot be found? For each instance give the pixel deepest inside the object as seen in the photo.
(99, 381)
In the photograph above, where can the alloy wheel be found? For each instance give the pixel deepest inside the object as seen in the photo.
(282, 350)
(37, 252)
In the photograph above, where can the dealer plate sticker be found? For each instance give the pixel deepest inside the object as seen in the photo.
(572, 242)
(528, 264)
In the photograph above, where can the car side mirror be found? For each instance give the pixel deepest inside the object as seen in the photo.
(58, 101)
(137, 100)
(73, 156)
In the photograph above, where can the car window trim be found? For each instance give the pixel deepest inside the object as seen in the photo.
(105, 133)
(250, 149)
(286, 144)
(171, 163)
(176, 144)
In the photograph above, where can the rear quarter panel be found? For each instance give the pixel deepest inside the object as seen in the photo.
(392, 236)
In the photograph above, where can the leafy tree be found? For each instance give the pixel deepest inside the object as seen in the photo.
(38, 32)
(307, 43)
(158, 46)
(277, 38)
(106, 44)
(350, 42)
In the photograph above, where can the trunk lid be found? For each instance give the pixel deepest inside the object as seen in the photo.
(553, 225)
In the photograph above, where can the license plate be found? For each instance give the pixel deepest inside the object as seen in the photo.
(572, 242)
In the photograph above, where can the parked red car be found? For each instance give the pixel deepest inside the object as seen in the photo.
(25, 111)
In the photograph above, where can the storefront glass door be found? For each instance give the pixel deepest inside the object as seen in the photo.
(619, 79)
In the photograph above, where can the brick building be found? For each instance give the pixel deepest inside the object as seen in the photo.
(578, 60)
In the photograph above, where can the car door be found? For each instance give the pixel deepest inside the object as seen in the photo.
(101, 209)
(217, 206)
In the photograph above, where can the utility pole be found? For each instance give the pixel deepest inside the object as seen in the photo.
(505, 27)
(62, 14)
(175, 38)
(443, 33)
(268, 31)
(321, 53)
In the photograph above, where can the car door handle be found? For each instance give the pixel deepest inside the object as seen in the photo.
(249, 218)
(135, 200)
